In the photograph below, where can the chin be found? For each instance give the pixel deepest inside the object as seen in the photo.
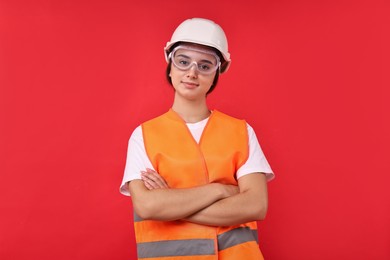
(191, 96)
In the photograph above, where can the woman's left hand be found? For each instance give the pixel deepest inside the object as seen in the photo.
(152, 180)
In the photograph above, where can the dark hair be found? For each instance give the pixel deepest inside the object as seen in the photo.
(168, 70)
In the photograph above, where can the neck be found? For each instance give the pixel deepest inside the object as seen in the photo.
(191, 111)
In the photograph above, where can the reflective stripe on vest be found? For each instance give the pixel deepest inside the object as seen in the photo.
(190, 247)
(193, 247)
(235, 237)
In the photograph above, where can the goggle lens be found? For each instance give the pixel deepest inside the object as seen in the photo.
(207, 64)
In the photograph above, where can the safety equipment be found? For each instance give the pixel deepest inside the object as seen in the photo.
(183, 163)
(201, 31)
(181, 58)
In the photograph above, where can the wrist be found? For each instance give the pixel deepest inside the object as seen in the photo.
(219, 190)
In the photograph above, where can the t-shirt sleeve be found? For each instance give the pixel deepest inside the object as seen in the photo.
(257, 161)
(136, 161)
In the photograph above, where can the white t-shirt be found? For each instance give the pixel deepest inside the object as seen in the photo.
(137, 159)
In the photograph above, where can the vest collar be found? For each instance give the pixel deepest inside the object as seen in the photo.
(176, 117)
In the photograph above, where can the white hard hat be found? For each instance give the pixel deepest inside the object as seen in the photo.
(204, 32)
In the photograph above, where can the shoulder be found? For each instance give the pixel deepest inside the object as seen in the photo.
(154, 119)
(226, 116)
(250, 129)
(228, 119)
(162, 121)
(136, 135)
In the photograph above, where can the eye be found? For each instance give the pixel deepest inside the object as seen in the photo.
(183, 62)
(204, 67)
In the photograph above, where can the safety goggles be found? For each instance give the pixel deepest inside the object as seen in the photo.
(184, 57)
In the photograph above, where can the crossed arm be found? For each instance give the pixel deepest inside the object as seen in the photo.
(211, 204)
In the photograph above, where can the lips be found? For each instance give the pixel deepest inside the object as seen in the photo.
(190, 84)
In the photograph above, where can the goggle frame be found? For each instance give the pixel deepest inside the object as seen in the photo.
(215, 67)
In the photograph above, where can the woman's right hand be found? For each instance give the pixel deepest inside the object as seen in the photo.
(228, 190)
(152, 180)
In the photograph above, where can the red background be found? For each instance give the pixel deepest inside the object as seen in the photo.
(76, 77)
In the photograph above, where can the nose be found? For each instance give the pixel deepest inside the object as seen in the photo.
(193, 70)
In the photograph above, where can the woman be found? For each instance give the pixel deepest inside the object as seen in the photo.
(198, 178)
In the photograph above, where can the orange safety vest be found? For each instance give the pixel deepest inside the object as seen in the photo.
(184, 163)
